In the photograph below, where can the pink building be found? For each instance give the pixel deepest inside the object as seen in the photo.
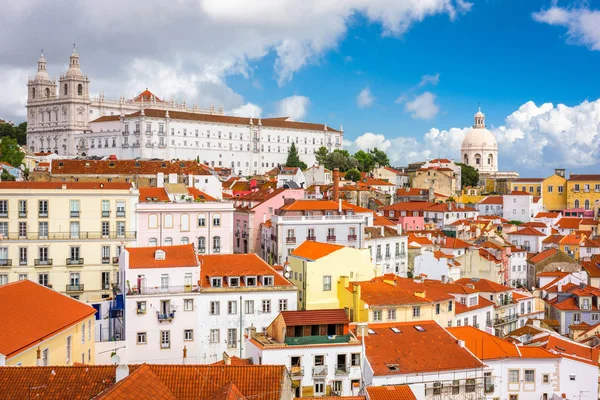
(253, 209)
(175, 214)
(412, 223)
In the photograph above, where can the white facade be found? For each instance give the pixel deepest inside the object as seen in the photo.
(317, 175)
(488, 206)
(389, 254)
(517, 274)
(436, 266)
(529, 242)
(451, 214)
(287, 175)
(521, 207)
(479, 148)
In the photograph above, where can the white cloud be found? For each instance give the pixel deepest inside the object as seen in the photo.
(365, 98)
(294, 107)
(423, 106)
(583, 24)
(429, 80)
(544, 136)
(214, 39)
(247, 110)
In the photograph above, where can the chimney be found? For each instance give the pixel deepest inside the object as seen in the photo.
(160, 180)
(536, 323)
(382, 229)
(226, 358)
(38, 361)
(444, 279)
(336, 184)
(122, 372)
(264, 218)
(190, 180)
(559, 288)
(362, 329)
(184, 354)
(339, 204)
(172, 178)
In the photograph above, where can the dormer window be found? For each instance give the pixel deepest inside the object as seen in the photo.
(216, 282)
(250, 281)
(268, 280)
(159, 255)
(234, 281)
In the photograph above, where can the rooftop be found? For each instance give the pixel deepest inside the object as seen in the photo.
(392, 290)
(126, 167)
(390, 392)
(237, 265)
(171, 257)
(483, 285)
(313, 251)
(39, 185)
(314, 317)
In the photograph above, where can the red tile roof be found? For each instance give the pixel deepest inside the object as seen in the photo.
(547, 215)
(32, 313)
(527, 231)
(539, 257)
(529, 180)
(175, 257)
(592, 268)
(379, 220)
(148, 96)
(390, 392)
(237, 265)
(127, 167)
(392, 290)
(314, 205)
(455, 243)
(413, 351)
(149, 194)
(141, 384)
(408, 206)
(584, 177)
(314, 317)
(482, 303)
(492, 200)
(315, 250)
(568, 223)
(235, 360)
(484, 285)
(39, 185)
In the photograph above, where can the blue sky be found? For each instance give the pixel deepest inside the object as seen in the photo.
(312, 60)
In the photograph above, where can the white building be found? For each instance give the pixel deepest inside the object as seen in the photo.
(448, 213)
(521, 206)
(388, 248)
(479, 148)
(317, 175)
(517, 274)
(527, 238)
(292, 177)
(436, 265)
(173, 302)
(323, 357)
(71, 123)
(491, 205)
(446, 163)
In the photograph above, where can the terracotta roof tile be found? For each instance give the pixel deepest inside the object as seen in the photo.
(141, 384)
(482, 303)
(484, 285)
(175, 257)
(39, 185)
(497, 200)
(527, 231)
(153, 194)
(568, 223)
(390, 392)
(392, 290)
(237, 265)
(539, 257)
(315, 250)
(32, 313)
(584, 177)
(379, 220)
(454, 243)
(592, 268)
(314, 317)
(235, 360)
(126, 167)
(544, 214)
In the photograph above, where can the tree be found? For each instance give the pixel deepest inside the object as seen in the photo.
(5, 176)
(340, 159)
(10, 152)
(293, 159)
(469, 175)
(17, 132)
(353, 174)
(366, 161)
(380, 157)
(321, 155)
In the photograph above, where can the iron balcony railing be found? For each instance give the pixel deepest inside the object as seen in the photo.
(74, 261)
(5, 262)
(105, 260)
(506, 319)
(351, 238)
(331, 238)
(311, 238)
(22, 214)
(120, 214)
(165, 317)
(342, 369)
(75, 288)
(237, 233)
(69, 235)
(290, 240)
(162, 290)
(42, 261)
(115, 260)
(74, 214)
(320, 370)
(105, 214)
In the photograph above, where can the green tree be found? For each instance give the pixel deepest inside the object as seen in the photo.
(10, 152)
(293, 159)
(17, 132)
(321, 155)
(5, 176)
(340, 159)
(353, 174)
(469, 175)
(380, 157)
(366, 161)
(515, 222)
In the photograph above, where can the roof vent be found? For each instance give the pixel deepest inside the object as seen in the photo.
(159, 255)
(371, 332)
(393, 367)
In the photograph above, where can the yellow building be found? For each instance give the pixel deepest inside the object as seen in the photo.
(67, 236)
(316, 269)
(470, 195)
(583, 191)
(443, 180)
(42, 327)
(570, 244)
(390, 298)
(555, 191)
(532, 186)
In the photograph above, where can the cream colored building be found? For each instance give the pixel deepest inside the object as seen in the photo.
(316, 268)
(479, 148)
(67, 236)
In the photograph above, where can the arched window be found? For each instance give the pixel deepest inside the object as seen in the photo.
(168, 241)
(152, 242)
(33, 93)
(201, 244)
(217, 220)
(586, 205)
(490, 159)
(47, 93)
(217, 244)
(466, 159)
(201, 220)
(477, 159)
(185, 240)
(65, 89)
(80, 89)
(576, 204)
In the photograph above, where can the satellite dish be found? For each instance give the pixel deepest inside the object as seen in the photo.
(366, 306)
(287, 268)
(116, 360)
(286, 274)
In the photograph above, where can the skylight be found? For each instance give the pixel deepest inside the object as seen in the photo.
(371, 332)
(396, 330)
(419, 328)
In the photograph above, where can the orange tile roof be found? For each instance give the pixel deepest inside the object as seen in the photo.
(484, 285)
(592, 268)
(422, 240)
(175, 257)
(484, 345)
(315, 250)
(535, 224)
(539, 257)
(553, 239)
(32, 313)
(497, 200)
(584, 177)
(408, 206)
(449, 207)
(235, 360)
(565, 347)
(39, 185)
(568, 223)
(147, 95)
(547, 215)
(148, 194)
(393, 290)
(373, 182)
(455, 243)
(237, 265)
(199, 195)
(412, 351)
(313, 205)
(228, 392)
(314, 317)
(572, 239)
(127, 167)
(482, 303)
(380, 220)
(141, 384)
(519, 193)
(527, 231)
(390, 392)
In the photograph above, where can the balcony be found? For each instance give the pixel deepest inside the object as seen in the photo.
(149, 144)
(3, 214)
(125, 133)
(216, 250)
(290, 240)
(5, 262)
(342, 369)
(351, 238)
(244, 234)
(388, 256)
(75, 288)
(105, 286)
(22, 214)
(201, 250)
(120, 213)
(165, 317)
(488, 388)
(134, 291)
(42, 261)
(69, 235)
(296, 372)
(74, 261)
(237, 233)
(320, 370)
(136, 133)
(22, 262)
(400, 254)
(74, 214)
(255, 139)
(330, 238)
(378, 257)
(105, 214)
(273, 237)
(105, 260)
(313, 238)
(506, 319)
(43, 214)
(115, 260)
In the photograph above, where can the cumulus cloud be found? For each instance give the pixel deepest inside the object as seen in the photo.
(429, 80)
(423, 106)
(583, 24)
(365, 98)
(294, 107)
(544, 136)
(210, 40)
(247, 110)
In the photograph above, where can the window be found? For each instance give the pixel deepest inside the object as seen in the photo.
(529, 375)
(74, 207)
(215, 335)
(216, 220)
(43, 208)
(232, 337)
(3, 208)
(561, 189)
(470, 385)
(188, 305)
(201, 244)
(45, 357)
(572, 377)
(266, 306)
(450, 305)
(391, 314)
(234, 281)
(267, 280)
(355, 359)
(283, 305)
(545, 378)
(249, 306)
(188, 335)
(105, 279)
(472, 301)
(550, 188)
(216, 282)
(165, 339)
(168, 241)
(319, 388)
(217, 244)
(594, 317)
(105, 208)
(105, 228)
(22, 208)
(232, 307)
(377, 315)
(43, 254)
(201, 220)
(68, 349)
(416, 311)
(513, 376)
(327, 283)
(215, 307)
(22, 255)
(43, 279)
(141, 338)
(576, 318)
(120, 208)
(152, 242)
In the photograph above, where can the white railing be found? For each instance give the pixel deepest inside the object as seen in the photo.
(319, 217)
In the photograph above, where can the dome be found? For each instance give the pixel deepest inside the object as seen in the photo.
(479, 138)
(42, 74)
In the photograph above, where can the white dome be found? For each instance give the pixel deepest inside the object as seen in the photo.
(479, 138)
(479, 148)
